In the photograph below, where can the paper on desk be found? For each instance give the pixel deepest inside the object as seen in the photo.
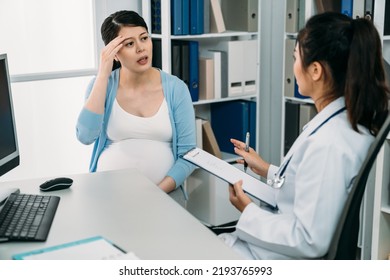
(231, 174)
(94, 248)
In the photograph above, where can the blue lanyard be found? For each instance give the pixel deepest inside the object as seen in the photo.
(278, 181)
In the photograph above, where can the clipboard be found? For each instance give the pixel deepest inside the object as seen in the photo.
(231, 175)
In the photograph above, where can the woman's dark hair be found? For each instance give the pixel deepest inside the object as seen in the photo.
(113, 23)
(350, 51)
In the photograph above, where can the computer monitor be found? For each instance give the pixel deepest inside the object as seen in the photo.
(9, 150)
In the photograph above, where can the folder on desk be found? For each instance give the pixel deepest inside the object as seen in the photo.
(231, 175)
(93, 248)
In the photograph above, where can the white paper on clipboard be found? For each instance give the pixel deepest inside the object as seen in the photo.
(231, 174)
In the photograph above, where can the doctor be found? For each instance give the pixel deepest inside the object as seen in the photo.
(338, 63)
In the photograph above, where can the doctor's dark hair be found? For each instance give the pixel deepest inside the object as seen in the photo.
(350, 52)
(114, 22)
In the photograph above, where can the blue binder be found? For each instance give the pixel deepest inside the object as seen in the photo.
(347, 7)
(176, 17)
(156, 54)
(233, 119)
(193, 48)
(156, 16)
(185, 17)
(196, 16)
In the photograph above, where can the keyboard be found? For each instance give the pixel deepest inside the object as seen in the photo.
(27, 217)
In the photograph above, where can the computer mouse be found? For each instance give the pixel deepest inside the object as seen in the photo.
(56, 184)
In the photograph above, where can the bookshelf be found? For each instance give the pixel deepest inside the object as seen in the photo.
(297, 110)
(374, 238)
(201, 186)
(380, 245)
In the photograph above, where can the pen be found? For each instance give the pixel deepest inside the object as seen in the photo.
(246, 149)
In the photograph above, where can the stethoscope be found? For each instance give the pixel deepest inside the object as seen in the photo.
(278, 181)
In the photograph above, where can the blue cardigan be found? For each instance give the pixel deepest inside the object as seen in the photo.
(92, 127)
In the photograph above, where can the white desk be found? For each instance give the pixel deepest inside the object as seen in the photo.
(128, 209)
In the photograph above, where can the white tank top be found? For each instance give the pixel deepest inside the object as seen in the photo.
(142, 143)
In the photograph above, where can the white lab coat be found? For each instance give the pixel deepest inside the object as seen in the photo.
(317, 182)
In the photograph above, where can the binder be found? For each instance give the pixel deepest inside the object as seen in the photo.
(241, 66)
(206, 78)
(250, 66)
(224, 74)
(369, 9)
(296, 117)
(358, 9)
(185, 60)
(156, 53)
(306, 113)
(291, 125)
(176, 17)
(289, 79)
(217, 24)
(206, 16)
(193, 48)
(252, 123)
(196, 16)
(156, 16)
(301, 14)
(186, 9)
(240, 15)
(292, 16)
(176, 59)
(386, 27)
(185, 64)
(347, 7)
(233, 119)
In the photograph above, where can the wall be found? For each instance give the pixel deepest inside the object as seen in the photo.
(46, 113)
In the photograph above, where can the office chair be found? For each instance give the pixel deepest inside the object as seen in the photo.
(344, 242)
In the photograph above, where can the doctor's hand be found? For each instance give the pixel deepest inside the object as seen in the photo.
(237, 197)
(254, 161)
